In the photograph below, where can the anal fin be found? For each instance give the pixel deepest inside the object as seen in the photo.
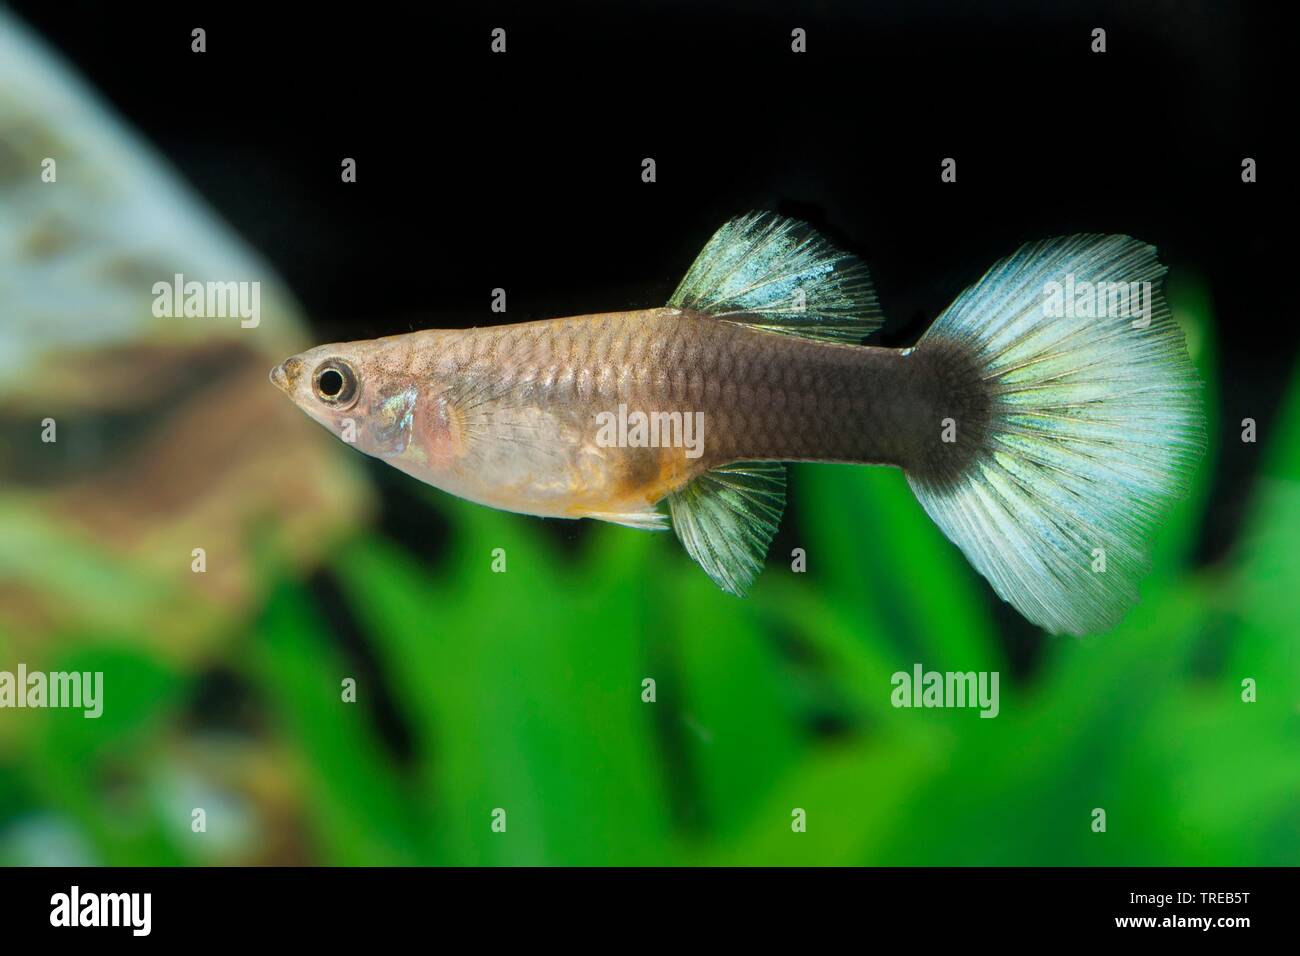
(726, 519)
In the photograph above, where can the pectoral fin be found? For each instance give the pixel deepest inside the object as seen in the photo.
(648, 520)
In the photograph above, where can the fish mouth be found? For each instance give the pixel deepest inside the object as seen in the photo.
(285, 374)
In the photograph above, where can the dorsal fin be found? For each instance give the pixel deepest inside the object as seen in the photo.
(726, 518)
(779, 274)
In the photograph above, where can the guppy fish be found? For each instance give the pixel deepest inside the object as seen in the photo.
(1032, 434)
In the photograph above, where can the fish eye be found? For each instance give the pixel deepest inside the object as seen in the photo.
(335, 382)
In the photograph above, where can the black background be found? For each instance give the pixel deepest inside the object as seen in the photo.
(333, 908)
(523, 170)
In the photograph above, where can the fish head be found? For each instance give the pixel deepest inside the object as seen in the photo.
(361, 391)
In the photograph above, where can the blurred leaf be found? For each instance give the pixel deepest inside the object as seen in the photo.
(517, 703)
(873, 547)
(361, 813)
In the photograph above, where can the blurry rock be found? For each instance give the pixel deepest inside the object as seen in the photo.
(168, 436)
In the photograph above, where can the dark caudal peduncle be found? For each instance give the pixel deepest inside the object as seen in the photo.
(779, 397)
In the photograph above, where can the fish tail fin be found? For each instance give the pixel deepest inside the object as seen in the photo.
(1077, 423)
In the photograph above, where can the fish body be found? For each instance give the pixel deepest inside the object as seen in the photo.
(512, 416)
(1015, 427)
